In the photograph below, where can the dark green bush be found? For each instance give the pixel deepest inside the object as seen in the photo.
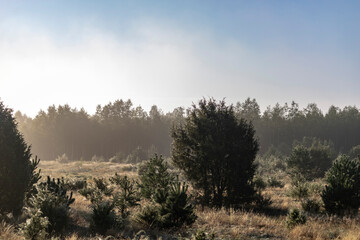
(176, 210)
(103, 217)
(295, 217)
(216, 152)
(342, 192)
(154, 176)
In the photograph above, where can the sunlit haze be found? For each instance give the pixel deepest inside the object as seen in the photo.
(173, 53)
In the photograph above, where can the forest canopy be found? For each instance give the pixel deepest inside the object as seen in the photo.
(120, 128)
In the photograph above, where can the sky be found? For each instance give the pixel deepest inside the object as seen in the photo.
(173, 53)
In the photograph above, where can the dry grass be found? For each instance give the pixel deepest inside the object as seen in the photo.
(224, 224)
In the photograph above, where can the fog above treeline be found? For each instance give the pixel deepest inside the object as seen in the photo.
(120, 128)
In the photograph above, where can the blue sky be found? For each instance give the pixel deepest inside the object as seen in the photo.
(172, 53)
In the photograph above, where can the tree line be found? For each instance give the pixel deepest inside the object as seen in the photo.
(121, 127)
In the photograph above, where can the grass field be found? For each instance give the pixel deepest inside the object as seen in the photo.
(267, 224)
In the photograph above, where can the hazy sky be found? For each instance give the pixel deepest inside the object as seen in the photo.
(172, 53)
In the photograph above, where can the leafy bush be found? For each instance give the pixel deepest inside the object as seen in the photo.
(311, 205)
(35, 227)
(295, 217)
(52, 201)
(342, 192)
(15, 165)
(62, 159)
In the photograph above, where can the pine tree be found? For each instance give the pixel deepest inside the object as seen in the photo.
(217, 152)
(342, 193)
(15, 164)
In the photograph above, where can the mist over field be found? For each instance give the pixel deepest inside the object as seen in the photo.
(192, 120)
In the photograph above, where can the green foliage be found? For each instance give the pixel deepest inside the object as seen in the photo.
(127, 196)
(154, 176)
(15, 165)
(217, 152)
(35, 227)
(310, 161)
(311, 205)
(295, 217)
(52, 201)
(103, 216)
(342, 192)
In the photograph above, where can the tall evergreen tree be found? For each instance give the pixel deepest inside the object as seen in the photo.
(15, 164)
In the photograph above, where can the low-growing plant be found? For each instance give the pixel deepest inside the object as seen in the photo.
(295, 217)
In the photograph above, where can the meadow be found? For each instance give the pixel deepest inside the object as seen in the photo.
(269, 223)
